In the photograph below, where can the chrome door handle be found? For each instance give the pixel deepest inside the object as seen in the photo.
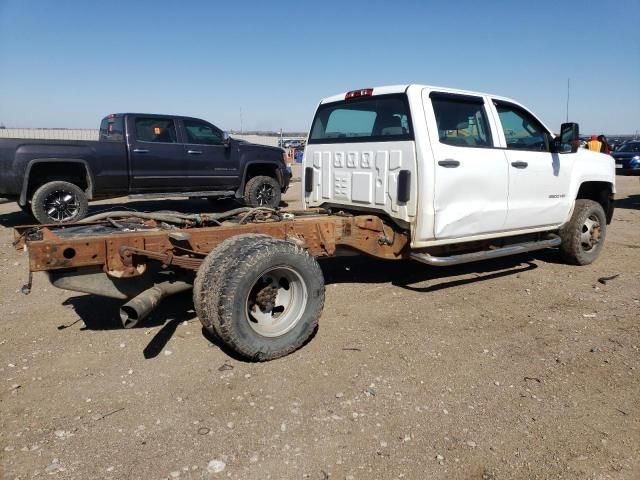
(194, 152)
(140, 150)
(519, 164)
(448, 163)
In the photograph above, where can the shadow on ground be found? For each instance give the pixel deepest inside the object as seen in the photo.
(173, 311)
(405, 274)
(632, 202)
(104, 315)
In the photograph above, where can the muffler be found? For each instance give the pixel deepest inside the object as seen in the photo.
(140, 306)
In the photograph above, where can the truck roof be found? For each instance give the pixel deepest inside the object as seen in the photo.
(153, 115)
(388, 89)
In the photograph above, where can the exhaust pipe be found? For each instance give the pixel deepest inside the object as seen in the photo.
(140, 306)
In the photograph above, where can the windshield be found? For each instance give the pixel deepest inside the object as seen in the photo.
(381, 118)
(630, 147)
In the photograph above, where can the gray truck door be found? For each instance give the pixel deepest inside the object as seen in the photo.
(157, 158)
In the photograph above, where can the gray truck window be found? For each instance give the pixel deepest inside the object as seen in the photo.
(201, 133)
(380, 118)
(521, 130)
(157, 130)
(461, 123)
(112, 129)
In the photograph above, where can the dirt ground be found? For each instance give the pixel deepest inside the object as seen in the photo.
(519, 369)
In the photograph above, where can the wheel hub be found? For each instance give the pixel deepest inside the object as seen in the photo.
(266, 298)
(590, 234)
(265, 195)
(61, 205)
(276, 301)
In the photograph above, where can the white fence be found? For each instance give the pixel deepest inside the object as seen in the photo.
(92, 134)
(50, 133)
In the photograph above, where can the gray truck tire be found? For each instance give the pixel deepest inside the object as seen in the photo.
(59, 202)
(205, 286)
(583, 236)
(262, 191)
(267, 299)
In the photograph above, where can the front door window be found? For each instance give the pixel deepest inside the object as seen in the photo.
(521, 130)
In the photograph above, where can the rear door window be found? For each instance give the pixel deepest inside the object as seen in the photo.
(462, 120)
(157, 130)
(381, 118)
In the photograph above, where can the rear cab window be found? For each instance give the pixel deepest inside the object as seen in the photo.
(112, 129)
(157, 130)
(380, 118)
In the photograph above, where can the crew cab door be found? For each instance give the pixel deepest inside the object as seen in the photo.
(209, 162)
(470, 175)
(538, 180)
(156, 156)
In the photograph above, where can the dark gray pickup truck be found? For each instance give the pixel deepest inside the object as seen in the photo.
(138, 154)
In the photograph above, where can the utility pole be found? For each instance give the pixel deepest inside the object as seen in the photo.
(240, 120)
(568, 89)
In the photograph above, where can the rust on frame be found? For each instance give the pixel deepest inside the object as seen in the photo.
(124, 254)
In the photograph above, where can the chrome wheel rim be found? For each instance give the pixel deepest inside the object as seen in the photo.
(61, 205)
(590, 233)
(276, 301)
(265, 195)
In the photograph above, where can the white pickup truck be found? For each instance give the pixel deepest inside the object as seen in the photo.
(454, 166)
(431, 174)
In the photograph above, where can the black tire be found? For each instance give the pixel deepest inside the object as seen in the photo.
(269, 298)
(583, 236)
(59, 202)
(205, 285)
(262, 191)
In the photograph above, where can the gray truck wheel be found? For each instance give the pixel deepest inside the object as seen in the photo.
(262, 191)
(205, 285)
(583, 236)
(268, 298)
(59, 202)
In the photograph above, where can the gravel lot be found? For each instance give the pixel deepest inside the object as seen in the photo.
(522, 368)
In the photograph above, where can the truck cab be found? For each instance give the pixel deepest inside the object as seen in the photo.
(449, 165)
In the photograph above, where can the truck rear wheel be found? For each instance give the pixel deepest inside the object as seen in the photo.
(267, 299)
(59, 202)
(205, 285)
(583, 236)
(262, 191)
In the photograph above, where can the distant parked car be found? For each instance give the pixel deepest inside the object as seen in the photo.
(615, 143)
(291, 143)
(628, 157)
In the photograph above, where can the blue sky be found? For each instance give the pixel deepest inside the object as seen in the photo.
(68, 63)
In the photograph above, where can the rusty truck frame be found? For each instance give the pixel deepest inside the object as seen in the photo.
(141, 258)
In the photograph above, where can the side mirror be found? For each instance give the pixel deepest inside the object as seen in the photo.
(226, 139)
(569, 139)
